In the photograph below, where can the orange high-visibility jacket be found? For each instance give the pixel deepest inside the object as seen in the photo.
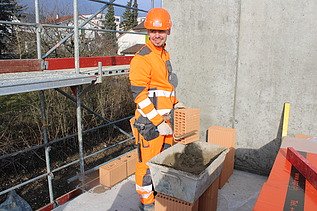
(150, 71)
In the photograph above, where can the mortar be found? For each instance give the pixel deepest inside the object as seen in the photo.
(186, 171)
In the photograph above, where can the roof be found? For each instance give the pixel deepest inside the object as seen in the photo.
(68, 19)
(133, 49)
(58, 20)
(140, 27)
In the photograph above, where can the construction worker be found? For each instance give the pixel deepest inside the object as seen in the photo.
(153, 88)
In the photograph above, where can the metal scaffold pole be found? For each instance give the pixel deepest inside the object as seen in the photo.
(118, 5)
(42, 107)
(38, 29)
(71, 33)
(76, 36)
(62, 79)
(78, 91)
(80, 134)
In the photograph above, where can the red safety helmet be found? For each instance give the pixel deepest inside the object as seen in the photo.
(158, 19)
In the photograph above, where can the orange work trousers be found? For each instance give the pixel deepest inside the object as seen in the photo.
(149, 149)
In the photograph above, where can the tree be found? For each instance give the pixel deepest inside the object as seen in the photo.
(130, 16)
(110, 37)
(135, 14)
(9, 10)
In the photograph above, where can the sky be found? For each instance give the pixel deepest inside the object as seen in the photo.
(84, 6)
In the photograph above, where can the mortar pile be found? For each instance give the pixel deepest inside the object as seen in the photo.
(192, 160)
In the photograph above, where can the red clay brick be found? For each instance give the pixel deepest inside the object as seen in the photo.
(208, 201)
(167, 203)
(185, 121)
(225, 137)
(131, 160)
(113, 172)
(227, 169)
(222, 136)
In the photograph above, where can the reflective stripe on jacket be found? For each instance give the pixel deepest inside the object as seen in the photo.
(149, 76)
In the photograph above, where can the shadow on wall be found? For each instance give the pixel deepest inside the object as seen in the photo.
(259, 161)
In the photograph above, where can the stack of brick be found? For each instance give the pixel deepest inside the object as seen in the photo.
(225, 137)
(185, 121)
(118, 169)
(206, 202)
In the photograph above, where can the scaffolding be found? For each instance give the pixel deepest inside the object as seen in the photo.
(44, 79)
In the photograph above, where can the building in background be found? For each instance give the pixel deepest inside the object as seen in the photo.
(129, 44)
(96, 22)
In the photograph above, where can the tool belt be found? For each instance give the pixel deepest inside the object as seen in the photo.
(146, 128)
(143, 126)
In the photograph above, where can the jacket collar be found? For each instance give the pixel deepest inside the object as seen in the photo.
(155, 49)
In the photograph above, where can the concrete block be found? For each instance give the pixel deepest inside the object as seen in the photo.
(167, 203)
(113, 172)
(185, 121)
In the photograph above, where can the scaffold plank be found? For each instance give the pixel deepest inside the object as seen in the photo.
(108, 70)
(14, 83)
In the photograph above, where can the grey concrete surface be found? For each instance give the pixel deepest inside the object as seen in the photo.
(203, 45)
(240, 61)
(121, 197)
(239, 194)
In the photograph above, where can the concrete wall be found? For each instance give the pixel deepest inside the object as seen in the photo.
(239, 61)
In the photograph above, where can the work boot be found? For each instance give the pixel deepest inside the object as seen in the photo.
(147, 207)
